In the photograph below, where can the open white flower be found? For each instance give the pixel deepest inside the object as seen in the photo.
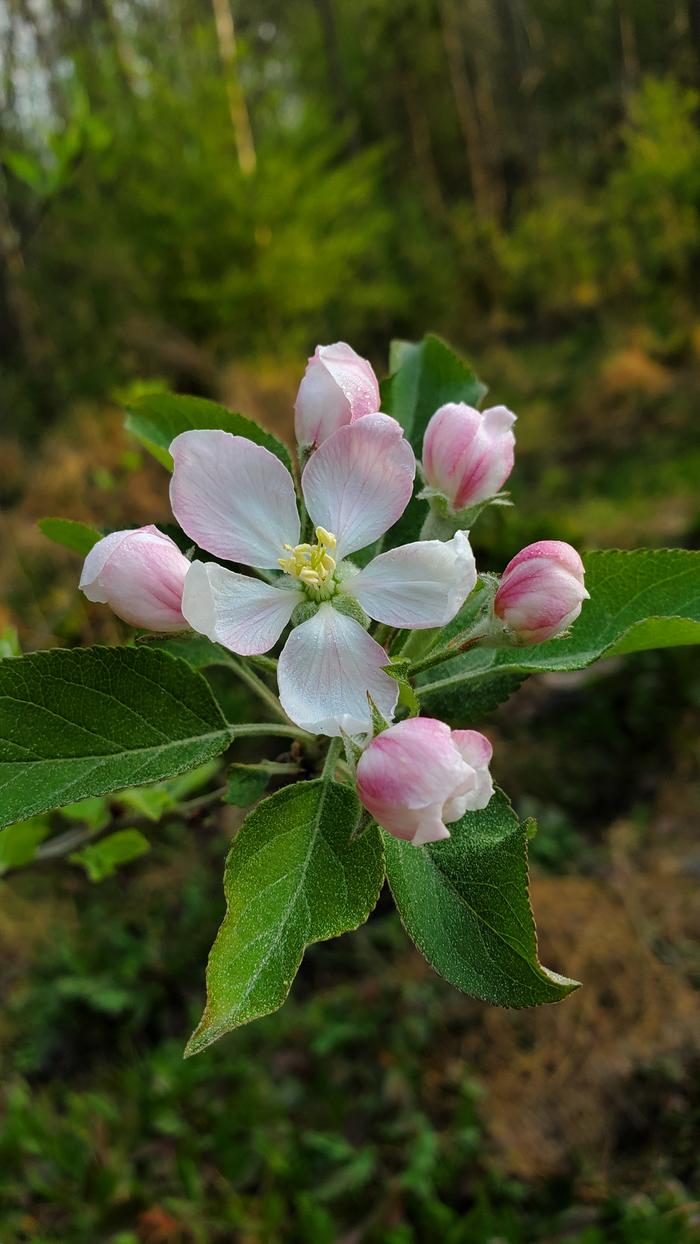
(237, 501)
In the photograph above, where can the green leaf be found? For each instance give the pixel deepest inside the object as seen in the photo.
(188, 783)
(428, 374)
(26, 168)
(295, 875)
(196, 650)
(246, 785)
(649, 598)
(148, 801)
(9, 643)
(465, 904)
(94, 813)
(89, 721)
(102, 859)
(79, 537)
(155, 419)
(19, 842)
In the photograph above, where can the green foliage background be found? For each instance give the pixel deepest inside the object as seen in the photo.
(523, 177)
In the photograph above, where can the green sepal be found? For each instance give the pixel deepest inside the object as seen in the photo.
(304, 611)
(451, 520)
(398, 669)
(351, 608)
(379, 721)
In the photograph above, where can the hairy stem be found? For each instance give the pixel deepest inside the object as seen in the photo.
(444, 654)
(260, 688)
(277, 729)
(332, 758)
(268, 664)
(383, 634)
(436, 527)
(420, 642)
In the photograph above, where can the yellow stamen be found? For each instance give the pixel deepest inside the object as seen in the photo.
(326, 537)
(312, 564)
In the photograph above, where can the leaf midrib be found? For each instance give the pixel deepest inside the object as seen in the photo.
(315, 830)
(537, 970)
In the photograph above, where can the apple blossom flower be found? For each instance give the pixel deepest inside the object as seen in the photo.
(541, 591)
(418, 776)
(237, 501)
(468, 454)
(140, 573)
(337, 388)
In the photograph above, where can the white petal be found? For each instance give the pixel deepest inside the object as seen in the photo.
(431, 827)
(236, 610)
(417, 585)
(233, 497)
(326, 668)
(360, 481)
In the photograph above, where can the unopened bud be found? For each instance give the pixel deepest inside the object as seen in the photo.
(418, 776)
(541, 591)
(338, 387)
(468, 454)
(140, 574)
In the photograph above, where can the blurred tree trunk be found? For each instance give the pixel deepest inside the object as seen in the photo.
(21, 308)
(466, 110)
(694, 27)
(628, 45)
(518, 34)
(422, 146)
(238, 109)
(491, 129)
(337, 79)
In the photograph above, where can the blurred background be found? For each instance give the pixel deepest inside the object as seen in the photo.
(192, 195)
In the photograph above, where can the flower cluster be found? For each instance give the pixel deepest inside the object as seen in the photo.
(237, 502)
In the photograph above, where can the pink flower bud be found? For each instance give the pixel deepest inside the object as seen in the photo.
(419, 774)
(468, 454)
(140, 574)
(338, 387)
(541, 591)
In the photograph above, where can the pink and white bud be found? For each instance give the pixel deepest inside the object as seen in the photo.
(419, 774)
(338, 387)
(140, 574)
(468, 454)
(541, 591)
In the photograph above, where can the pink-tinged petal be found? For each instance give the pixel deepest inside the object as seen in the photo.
(476, 750)
(338, 387)
(417, 585)
(473, 747)
(360, 481)
(468, 454)
(140, 573)
(412, 765)
(326, 668)
(418, 776)
(431, 827)
(558, 552)
(236, 610)
(233, 498)
(541, 591)
(415, 825)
